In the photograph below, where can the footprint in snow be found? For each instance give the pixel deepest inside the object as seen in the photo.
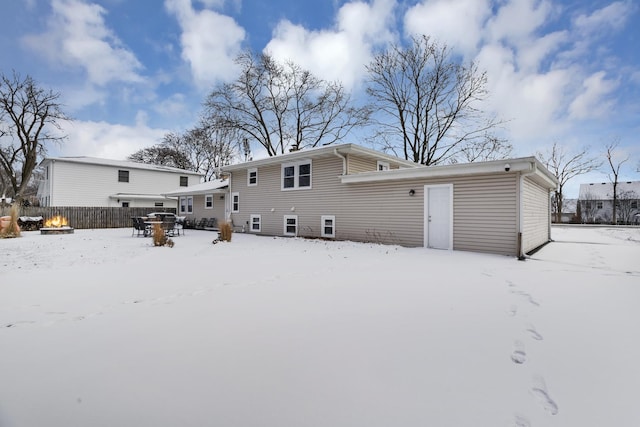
(534, 334)
(20, 322)
(519, 356)
(539, 391)
(526, 296)
(521, 421)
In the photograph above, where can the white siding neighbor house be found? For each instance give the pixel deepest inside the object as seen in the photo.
(88, 181)
(596, 202)
(349, 192)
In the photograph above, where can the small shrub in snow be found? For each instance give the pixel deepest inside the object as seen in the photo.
(225, 231)
(9, 225)
(159, 237)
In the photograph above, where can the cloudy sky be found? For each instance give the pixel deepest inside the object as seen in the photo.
(131, 71)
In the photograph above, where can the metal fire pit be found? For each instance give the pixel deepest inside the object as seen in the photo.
(56, 230)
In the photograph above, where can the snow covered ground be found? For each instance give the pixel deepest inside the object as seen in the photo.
(100, 328)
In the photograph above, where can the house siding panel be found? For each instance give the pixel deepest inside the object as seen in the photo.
(358, 164)
(199, 211)
(485, 207)
(535, 215)
(81, 184)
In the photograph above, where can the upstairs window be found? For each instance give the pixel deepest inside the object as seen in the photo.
(123, 176)
(296, 175)
(598, 205)
(383, 166)
(184, 181)
(252, 177)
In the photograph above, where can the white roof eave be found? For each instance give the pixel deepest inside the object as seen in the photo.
(140, 196)
(527, 165)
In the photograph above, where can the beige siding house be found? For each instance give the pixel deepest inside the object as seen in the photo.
(204, 200)
(95, 182)
(349, 192)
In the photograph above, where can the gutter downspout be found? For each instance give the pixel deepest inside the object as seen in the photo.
(344, 161)
(532, 170)
(228, 201)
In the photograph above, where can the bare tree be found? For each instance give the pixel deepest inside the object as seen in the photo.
(211, 146)
(614, 164)
(283, 107)
(565, 166)
(490, 148)
(204, 148)
(163, 155)
(589, 207)
(28, 116)
(428, 105)
(626, 202)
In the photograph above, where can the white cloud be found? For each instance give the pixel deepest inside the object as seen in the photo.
(518, 20)
(458, 23)
(106, 140)
(210, 41)
(77, 36)
(613, 16)
(532, 101)
(592, 102)
(174, 106)
(339, 53)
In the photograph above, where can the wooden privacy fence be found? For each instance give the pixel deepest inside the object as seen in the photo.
(89, 217)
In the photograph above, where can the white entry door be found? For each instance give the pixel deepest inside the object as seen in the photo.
(438, 216)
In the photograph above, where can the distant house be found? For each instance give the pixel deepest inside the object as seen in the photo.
(349, 192)
(596, 202)
(88, 181)
(568, 213)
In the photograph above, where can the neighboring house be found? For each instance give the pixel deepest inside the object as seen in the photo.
(568, 214)
(87, 181)
(204, 200)
(349, 192)
(596, 202)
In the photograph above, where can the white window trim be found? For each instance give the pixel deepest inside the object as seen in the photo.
(284, 230)
(385, 166)
(187, 205)
(323, 219)
(235, 195)
(251, 218)
(296, 175)
(205, 201)
(249, 184)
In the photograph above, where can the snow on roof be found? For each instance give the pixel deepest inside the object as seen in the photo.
(202, 188)
(117, 163)
(324, 151)
(604, 190)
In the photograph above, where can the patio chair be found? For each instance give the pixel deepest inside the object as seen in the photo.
(201, 223)
(181, 224)
(139, 226)
(211, 224)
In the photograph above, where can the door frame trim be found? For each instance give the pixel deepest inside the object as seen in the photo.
(426, 213)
